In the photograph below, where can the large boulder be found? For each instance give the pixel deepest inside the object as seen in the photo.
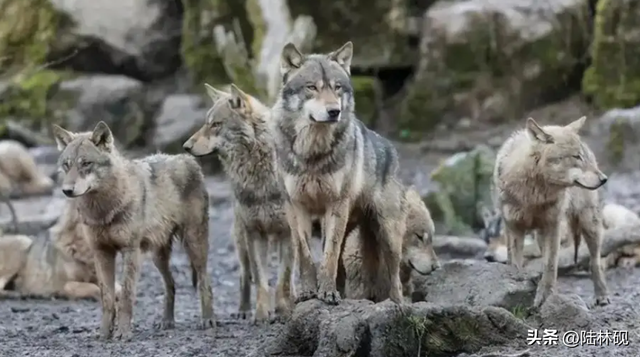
(464, 186)
(619, 132)
(178, 118)
(378, 29)
(613, 79)
(136, 38)
(488, 60)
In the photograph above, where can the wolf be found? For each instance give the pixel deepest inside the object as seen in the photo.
(332, 167)
(546, 180)
(136, 206)
(58, 265)
(364, 278)
(18, 171)
(236, 129)
(616, 216)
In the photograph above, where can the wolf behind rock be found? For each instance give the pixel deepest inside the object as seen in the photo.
(333, 168)
(365, 278)
(135, 206)
(545, 180)
(236, 129)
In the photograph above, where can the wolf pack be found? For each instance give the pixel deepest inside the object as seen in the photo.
(303, 165)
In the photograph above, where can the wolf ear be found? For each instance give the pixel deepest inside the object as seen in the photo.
(239, 99)
(290, 59)
(213, 93)
(487, 215)
(537, 133)
(343, 56)
(63, 137)
(102, 136)
(576, 125)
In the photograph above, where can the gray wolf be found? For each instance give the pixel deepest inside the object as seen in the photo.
(59, 265)
(236, 129)
(616, 216)
(136, 206)
(363, 276)
(546, 180)
(333, 168)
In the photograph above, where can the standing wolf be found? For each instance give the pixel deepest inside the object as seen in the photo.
(134, 206)
(334, 168)
(236, 128)
(546, 180)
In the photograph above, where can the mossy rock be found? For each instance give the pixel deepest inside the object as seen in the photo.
(27, 98)
(613, 79)
(374, 26)
(367, 94)
(481, 61)
(464, 182)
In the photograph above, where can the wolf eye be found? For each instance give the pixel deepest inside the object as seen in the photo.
(86, 163)
(337, 87)
(578, 157)
(312, 87)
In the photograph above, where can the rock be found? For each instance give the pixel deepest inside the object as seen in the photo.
(620, 129)
(613, 78)
(491, 60)
(463, 186)
(179, 117)
(566, 312)
(119, 101)
(458, 247)
(35, 214)
(478, 284)
(386, 47)
(361, 328)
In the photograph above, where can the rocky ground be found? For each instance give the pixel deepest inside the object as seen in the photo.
(65, 328)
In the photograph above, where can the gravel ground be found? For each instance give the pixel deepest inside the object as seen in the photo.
(65, 328)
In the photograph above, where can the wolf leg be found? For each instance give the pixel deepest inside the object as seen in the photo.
(301, 225)
(258, 246)
(551, 242)
(334, 226)
(161, 259)
(285, 265)
(389, 240)
(196, 245)
(244, 308)
(131, 261)
(81, 290)
(515, 246)
(105, 262)
(592, 232)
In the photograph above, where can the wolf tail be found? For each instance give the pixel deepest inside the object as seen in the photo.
(194, 277)
(576, 245)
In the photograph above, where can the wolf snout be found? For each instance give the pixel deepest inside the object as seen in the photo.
(603, 179)
(333, 114)
(67, 192)
(187, 146)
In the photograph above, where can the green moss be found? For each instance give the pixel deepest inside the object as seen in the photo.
(615, 142)
(254, 14)
(613, 79)
(198, 44)
(367, 93)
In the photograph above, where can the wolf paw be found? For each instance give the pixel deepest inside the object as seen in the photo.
(205, 324)
(603, 300)
(164, 325)
(329, 297)
(262, 318)
(123, 335)
(305, 295)
(241, 315)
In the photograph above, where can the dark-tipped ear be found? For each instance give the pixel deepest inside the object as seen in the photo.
(213, 93)
(537, 133)
(63, 137)
(290, 59)
(102, 136)
(239, 99)
(343, 56)
(577, 124)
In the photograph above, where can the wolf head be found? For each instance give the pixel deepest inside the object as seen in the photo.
(493, 235)
(232, 120)
(316, 87)
(417, 246)
(562, 158)
(85, 159)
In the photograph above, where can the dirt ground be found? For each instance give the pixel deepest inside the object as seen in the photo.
(66, 329)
